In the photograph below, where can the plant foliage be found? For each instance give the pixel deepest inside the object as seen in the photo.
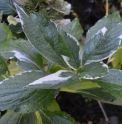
(50, 59)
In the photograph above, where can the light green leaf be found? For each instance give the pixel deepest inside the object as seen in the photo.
(42, 34)
(103, 44)
(112, 83)
(93, 70)
(13, 95)
(24, 52)
(80, 85)
(13, 68)
(104, 22)
(7, 7)
(74, 28)
(54, 81)
(53, 106)
(19, 118)
(116, 58)
(56, 117)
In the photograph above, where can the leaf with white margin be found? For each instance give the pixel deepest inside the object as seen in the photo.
(14, 96)
(24, 52)
(103, 44)
(54, 81)
(104, 22)
(56, 117)
(42, 35)
(112, 83)
(70, 49)
(93, 70)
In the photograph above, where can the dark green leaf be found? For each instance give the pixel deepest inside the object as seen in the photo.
(42, 34)
(74, 28)
(7, 7)
(16, 28)
(19, 118)
(3, 67)
(112, 82)
(56, 118)
(13, 95)
(103, 44)
(105, 21)
(93, 70)
(98, 94)
(53, 81)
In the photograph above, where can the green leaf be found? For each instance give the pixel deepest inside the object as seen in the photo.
(1, 16)
(104, 22)
(8, 32)
(93, 70)
(101, 95)
(7, 7)
(13, 95)
(70, 49)
(54, 81)
(2, 32)
(42, 34)
(98, 94)
(3, 69)
(74, 28)
(16, 29)
(26, 54)
(13, 68)
(112, 83)
(56, 117)
(12, 117)
(103, 44)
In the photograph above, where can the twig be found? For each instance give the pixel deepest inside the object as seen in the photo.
(54, 7)
(107, 7)
(104, 113)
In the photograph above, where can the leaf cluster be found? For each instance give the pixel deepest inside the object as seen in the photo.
(52, 60)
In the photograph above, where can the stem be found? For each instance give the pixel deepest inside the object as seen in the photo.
(104, 113)
(107, 7)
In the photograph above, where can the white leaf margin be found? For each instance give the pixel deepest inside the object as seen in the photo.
(49, 79)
